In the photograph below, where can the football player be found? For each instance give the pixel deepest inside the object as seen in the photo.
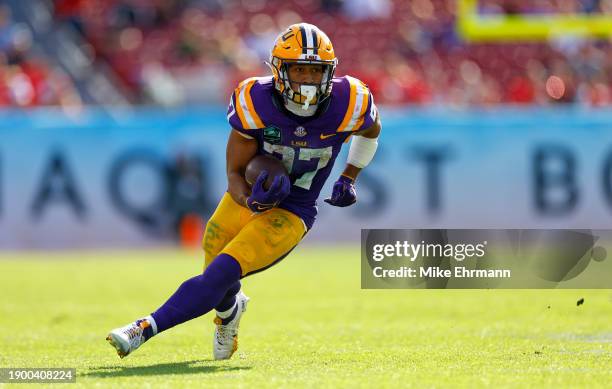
(301, 115)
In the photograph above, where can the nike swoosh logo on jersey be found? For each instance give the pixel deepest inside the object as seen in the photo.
(322, 136)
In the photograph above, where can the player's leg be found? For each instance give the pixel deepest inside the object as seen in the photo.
(209, 289)
(264, 241)
(225, 223)
(195, 297)
(200, 294)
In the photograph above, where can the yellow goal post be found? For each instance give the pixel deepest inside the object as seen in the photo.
(474, 27)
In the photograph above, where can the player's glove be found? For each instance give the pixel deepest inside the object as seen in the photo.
(343, 193)
(261, 200)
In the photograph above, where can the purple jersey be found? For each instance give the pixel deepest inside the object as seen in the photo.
(307, 147)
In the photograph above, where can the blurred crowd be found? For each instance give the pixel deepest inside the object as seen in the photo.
(26, 77)
(171, 52)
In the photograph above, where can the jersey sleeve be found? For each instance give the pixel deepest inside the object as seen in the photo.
(361, 111)
(241, 113)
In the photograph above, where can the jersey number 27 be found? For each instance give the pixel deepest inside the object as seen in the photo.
(304, 154)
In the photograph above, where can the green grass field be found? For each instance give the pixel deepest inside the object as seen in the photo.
(308, 325)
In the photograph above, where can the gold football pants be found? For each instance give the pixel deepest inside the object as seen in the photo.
(256, 240)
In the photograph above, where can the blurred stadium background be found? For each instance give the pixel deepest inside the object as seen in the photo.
(112, 119)
(168, 53)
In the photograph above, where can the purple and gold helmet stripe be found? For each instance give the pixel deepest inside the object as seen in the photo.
(309, 40)
(304, 40)
(315, 42)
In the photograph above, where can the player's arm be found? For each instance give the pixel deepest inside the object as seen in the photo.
(240, 150)
(363, 147)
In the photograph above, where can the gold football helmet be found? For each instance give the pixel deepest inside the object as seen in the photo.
(306, 44)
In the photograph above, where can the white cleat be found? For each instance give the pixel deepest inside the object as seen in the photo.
(225, 341)
(128, 338)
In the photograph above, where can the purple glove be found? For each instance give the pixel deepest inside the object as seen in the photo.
(344, 193)
(261, 200)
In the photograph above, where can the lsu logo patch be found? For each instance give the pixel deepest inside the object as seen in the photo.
(272, 135)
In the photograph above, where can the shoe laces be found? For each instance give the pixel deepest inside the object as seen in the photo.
(134, 332)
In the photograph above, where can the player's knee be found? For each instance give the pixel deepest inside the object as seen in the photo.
(246, 252)
(224, 272)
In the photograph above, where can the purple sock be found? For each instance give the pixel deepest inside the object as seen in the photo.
(200, 294)
(229, 299)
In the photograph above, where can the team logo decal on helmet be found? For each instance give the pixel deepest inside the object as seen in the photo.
(305, 44)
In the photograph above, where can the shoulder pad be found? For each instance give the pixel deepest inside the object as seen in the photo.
(358, 106)
(245, 111)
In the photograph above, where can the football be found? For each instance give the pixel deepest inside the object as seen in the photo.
(259, 163)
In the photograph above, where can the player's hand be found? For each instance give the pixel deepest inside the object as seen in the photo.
(343, 193)
(262, 200)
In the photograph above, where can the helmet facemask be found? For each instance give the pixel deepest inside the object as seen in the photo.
(310, 93)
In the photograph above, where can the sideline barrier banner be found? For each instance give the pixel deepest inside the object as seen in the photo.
(125, 179)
